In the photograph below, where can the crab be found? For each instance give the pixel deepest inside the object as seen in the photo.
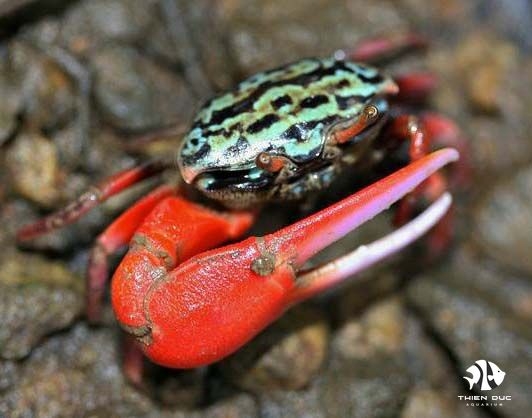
(187, 299)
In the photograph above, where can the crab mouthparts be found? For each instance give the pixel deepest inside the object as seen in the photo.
(246, 179)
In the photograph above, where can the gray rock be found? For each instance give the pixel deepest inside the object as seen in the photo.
(37, 297)
(480, 325)
(133, 93)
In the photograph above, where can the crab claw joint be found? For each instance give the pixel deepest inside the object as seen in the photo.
(214, 303)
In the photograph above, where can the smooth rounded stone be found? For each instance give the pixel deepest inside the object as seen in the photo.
(504, 218)
(208, 30)
(487, 70)
(364, 289)
(203, 41)
(367, 374)
(75, 374)
(78, 374)
(473, 327)
(377, 389)
(182, 389)
(48, 92)
(106, 154)
(238, 406)
(88, 24)
(264, 34)
(34, 85)
(71, 150)
(286, 355)
(435, 385)
(306, 403)
(428, 403)
(507, 290)
(33, 166)
(37, 297)
(484, 84)
(134, 94)
(381, 364)
(381, 330)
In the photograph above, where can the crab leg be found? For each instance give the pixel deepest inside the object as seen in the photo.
(116, 236)
(91, 198)
(379, 48)
(415, 86)
(215, 302)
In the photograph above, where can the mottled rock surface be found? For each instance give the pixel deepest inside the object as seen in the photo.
(84, 84)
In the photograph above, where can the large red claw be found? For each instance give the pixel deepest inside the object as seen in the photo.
(214, 303)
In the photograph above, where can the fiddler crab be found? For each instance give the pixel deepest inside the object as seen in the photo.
(281, 134)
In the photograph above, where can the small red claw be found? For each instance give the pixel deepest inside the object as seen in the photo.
(214, 303)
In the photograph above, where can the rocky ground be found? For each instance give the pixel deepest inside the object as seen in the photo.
(81, 81)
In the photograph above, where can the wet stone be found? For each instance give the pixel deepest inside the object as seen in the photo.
(427, 403)
(301, 403)
(380, 330)
(367, 287)
(239, 406)
(368, 374)
(474, 327)
(381, 364)
(484, 89)
(503, 220)
(48, 92)
(34, 169)
(90, 23)
(182, 389)
(265, 34)
(38, 297)
(203, 40)
(133, 93)
(76, 373)
(286, 355)
(487, 69)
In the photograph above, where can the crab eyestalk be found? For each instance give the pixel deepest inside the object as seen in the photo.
(214, 303)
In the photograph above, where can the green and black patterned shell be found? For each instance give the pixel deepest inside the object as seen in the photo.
(286, 111)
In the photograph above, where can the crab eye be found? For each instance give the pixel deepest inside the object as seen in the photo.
(371, 112)
(268, 162)
(367, 118)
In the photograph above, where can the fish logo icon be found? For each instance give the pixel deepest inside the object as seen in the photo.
(486, 374)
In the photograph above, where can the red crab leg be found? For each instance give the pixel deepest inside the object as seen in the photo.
(215, 302)
(421, 132)
(383, 47)
(91, 198)
(445, 133)
(116, 236)
(411, 128)
(415, 86)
